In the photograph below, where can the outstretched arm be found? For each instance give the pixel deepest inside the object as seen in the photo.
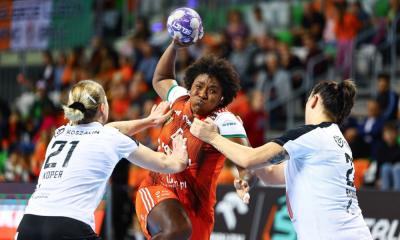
(164, 75)
(246, 157)
(158, 115)
(175, 161)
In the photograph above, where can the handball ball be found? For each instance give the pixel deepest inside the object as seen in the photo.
(186, 24)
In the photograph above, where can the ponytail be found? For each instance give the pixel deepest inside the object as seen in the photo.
(84, 99)
(338, 99)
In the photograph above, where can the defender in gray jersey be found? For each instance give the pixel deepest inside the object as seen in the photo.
(79, 161)
(319, 173)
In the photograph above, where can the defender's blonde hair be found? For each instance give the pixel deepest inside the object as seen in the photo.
(84, 99)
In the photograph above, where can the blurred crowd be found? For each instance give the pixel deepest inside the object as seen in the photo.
(271, 67)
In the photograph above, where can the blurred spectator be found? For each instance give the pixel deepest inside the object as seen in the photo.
(16, 169)
(48, 70)
(235, 26)
(386, 98)
(74, 63)
(59, 70)
(393, 10)
(120, 102)
(107, 66)
(389, 159)
(95, 59)
(182, 62)
(42, 105)
(257, 24)
(277, 80)
(371, 129)
(312, 23)
(161, 37)
(224, 48)
(320, 69)
(362, 15)
(126, 69)
(291, 63)
(111, 20)
(255, 120)
(273, 74)
(359, 148)
(257, 59)
(12, 131)
(240, 58)
(138, 90)
(39, 153)
(346, 28)
(5, 110)
(148, 64)
(142, 30)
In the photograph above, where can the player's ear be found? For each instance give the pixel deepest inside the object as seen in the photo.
(102, 108)
(222, 99)
(314, 100)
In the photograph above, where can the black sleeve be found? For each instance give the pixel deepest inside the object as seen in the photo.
(293, 134)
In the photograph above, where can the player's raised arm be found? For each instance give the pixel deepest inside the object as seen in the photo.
(246, 157)
(157, 116)
(164, 75)
(175, 161)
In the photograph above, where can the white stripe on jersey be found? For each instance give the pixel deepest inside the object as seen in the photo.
(144, 202)
(151, 198)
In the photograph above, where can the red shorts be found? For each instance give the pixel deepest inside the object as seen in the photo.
(148, 197)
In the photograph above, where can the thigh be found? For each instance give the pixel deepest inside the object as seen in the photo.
(154, 205)
(29, 228)
(59, 228)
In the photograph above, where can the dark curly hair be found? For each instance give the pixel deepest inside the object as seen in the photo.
(216, 67)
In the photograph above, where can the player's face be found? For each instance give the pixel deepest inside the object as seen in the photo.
(205, 94)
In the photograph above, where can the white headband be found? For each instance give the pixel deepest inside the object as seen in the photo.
(90, 97)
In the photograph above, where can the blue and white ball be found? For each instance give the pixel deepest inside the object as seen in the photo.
(186, 24)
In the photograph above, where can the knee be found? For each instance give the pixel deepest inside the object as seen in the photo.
(396, 168)
(386, 167)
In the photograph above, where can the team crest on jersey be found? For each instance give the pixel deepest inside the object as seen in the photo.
(339, 141)
(58, 132)
(169, 120)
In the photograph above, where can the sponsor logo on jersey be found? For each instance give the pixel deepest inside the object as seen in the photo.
(178, 112)
(186, 118)
(58, 132)
(169, 120)
(339, 141)
(76, 132)
(228, 123)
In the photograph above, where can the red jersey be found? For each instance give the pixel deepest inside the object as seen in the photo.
(196, 186)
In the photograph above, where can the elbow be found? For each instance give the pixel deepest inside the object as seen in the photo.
(250, 161)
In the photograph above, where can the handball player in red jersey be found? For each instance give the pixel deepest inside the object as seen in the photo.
(180, 206)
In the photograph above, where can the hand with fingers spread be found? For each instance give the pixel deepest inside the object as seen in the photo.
(205, 131)
(242, 189)
(179, 45)
(159, 114)
(179, 151)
